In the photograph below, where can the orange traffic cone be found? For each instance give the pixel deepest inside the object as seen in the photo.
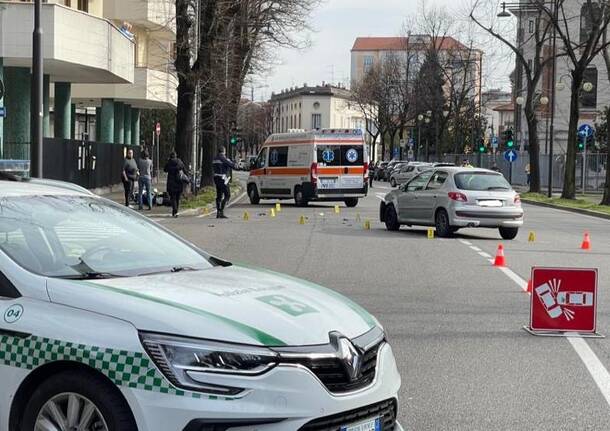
(500, 259)
(530, 286)
(586, 242)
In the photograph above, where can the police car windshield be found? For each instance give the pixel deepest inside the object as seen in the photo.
(87, 237)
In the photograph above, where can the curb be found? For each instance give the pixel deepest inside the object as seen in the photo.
(572, 210)
(199, 211)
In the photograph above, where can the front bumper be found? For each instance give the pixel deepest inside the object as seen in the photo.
(291, 394)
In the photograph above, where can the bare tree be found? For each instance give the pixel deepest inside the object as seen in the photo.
(365, 94)
(606, 54)
(531, 69)
(580, 27)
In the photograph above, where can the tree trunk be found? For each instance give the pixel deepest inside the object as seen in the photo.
(606, 198)
(569, 179)
(184, 120)
(534, 148)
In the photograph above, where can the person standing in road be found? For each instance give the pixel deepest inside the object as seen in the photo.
(222, 173)
(129, 175)
(175, 185)
(145, 166)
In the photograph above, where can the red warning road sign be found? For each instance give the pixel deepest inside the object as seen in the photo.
(158, 129)
(563, 300)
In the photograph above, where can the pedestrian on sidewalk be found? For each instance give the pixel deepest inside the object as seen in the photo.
(145, 166)
(222, 174)
(129, 175)
(175, 184)
(528, 173)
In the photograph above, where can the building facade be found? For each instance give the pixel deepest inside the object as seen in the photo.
(591, 102)
(104, 61)
(463, 63)
(498, 111)
(318, 107)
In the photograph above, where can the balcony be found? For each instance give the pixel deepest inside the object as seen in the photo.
(158, 16)
(77, 46)
(151, 89)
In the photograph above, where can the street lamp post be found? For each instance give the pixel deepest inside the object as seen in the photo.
(36, 107)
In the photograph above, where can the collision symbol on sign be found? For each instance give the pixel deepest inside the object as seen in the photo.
(563, 300)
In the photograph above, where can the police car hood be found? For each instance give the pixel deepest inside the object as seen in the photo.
(232, 303)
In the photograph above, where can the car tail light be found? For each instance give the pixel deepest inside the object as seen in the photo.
(457, 196)
(313, 174)
(366, 170)
(517, 200)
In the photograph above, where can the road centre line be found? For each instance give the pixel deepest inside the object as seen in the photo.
(485, 255)
(596, 368)
(477, 249)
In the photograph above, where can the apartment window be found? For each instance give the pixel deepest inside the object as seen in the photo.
(316, 121)
(83, 5)
(299, 120)
(589, 13)
(588, 100)
(368, 63)
(532, 24)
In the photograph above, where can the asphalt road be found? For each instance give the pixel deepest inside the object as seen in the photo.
(455, 321)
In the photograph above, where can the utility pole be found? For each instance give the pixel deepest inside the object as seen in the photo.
(36, 107)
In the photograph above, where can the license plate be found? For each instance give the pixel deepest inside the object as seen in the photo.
(490, 203)
(328, 183)
(369, 425)
(352, 182)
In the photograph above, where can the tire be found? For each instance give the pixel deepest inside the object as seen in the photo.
(508, 232)
(441, 222)
(299, 197)
(351, 202)
(112, 412)
(391, 219)
(392, 182)
(253, 195)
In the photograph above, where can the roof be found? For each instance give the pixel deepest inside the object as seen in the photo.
(319, 90)
(401, 43)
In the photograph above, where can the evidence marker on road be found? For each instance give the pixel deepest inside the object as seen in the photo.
(430, 233)
(531, 237)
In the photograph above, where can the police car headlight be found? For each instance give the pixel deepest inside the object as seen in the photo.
(198, 364)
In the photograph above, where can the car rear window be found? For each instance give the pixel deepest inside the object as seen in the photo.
(480, 181)
(340, 155)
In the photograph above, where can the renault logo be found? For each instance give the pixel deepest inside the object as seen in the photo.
(348, 354)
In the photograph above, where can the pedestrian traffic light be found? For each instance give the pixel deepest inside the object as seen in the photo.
(481, 148)
(233, 140)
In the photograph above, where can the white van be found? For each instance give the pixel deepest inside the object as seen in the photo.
(321, 165)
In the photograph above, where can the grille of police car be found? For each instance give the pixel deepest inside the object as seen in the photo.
(386, 410)
(332, 373)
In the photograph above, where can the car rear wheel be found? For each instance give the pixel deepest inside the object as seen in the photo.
(253, 195)
(75, 400)
(299, 197)
(508, 232)
(392, 182)
(351, 202)
(443, 228)
(391, 219)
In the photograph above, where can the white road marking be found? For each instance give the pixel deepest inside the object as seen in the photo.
(380, 196)
(485, 255)
(463, 241)
(477, 249)
(596, 368)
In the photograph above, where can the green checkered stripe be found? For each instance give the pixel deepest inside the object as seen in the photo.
(130, 369)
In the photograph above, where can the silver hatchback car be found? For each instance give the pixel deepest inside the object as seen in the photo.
(450, 198)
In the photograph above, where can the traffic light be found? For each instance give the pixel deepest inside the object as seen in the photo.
(233, 140)
(481, 148)
(509, 141)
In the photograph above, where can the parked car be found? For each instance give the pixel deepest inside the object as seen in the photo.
(407, 172)
(388, 169)
(396, 168)
(111, 322)
(451, 198)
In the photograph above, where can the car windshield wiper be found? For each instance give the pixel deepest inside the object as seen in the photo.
(86, 272)
(177, 268)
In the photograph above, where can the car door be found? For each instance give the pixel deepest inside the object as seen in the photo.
(428, 198)
(409, 202)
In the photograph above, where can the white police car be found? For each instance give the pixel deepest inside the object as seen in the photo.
(108, 322)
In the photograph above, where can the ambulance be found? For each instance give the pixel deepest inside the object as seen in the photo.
(320, 165)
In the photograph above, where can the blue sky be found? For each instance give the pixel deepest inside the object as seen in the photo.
(336, 25)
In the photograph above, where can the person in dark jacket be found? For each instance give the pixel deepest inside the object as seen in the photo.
(174, 167)
(222, 173)
(129, 175)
